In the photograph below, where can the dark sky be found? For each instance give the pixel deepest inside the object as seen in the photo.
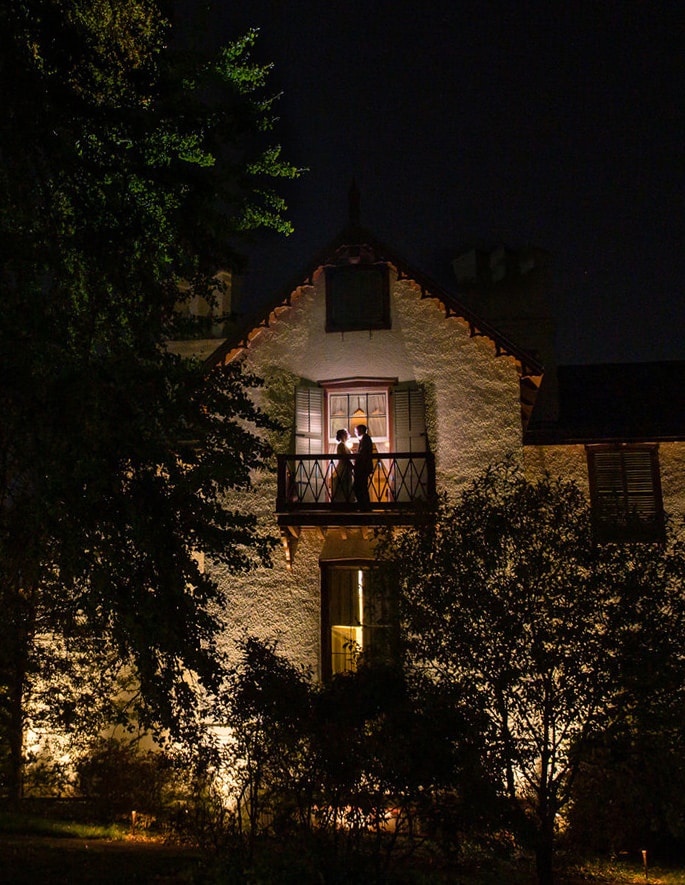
(559, 124)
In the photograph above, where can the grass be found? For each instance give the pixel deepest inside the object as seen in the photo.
(34, 848)
(64, 852)
(623, 872)
(31, 825)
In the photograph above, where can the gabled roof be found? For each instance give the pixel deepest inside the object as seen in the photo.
(617, 402)
(354, 234)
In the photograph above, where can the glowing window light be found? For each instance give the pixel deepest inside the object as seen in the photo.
(347, 639)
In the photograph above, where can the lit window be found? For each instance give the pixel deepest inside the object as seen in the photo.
(356, 617)
(393, 413)
(625, 491)
(350, 409)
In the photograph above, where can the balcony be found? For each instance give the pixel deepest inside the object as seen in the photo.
(401, 488)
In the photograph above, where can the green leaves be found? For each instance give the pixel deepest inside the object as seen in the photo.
(126, 164)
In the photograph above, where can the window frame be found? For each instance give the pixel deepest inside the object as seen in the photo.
(359, 386)
(626, 525)
(365, 565)
(405, 416)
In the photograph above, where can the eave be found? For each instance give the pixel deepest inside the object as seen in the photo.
(353, 234)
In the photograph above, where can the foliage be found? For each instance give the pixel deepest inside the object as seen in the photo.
(127, 164)
(630, 787)
(506, 596)
(117, 777)
(354, 772)
(73, 684)
(629, 792)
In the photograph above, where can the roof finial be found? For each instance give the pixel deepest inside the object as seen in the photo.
(354, 203)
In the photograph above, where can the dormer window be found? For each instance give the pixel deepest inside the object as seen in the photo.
(357, 297)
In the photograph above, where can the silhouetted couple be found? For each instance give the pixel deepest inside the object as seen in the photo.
(348, 479)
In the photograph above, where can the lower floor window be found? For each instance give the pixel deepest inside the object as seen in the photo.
(357, 617)
(625, 491)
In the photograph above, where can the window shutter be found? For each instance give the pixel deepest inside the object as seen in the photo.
(626, 491)
(624, 482)
(409, 416)
(641, 499)
(308, 420)
(357, 297)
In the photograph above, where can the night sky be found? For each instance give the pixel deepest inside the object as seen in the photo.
(556, 124)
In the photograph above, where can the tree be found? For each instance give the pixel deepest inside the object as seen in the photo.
(127, 165)
(630, 788)
(346, 774)
(506, 595)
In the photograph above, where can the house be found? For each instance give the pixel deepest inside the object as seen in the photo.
(620, 433)
(361, 338)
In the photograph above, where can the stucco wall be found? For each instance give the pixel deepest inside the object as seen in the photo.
(672, 463)
(473, 396)
(568, 461)
(473, 418)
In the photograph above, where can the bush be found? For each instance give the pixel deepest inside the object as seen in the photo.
(319, 779)
(118, 778)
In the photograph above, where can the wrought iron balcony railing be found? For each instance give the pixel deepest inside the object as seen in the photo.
(318, 482)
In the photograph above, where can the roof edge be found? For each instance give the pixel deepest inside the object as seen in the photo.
(354, 233)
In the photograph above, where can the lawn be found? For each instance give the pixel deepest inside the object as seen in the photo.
(70, 853)
(57, 852)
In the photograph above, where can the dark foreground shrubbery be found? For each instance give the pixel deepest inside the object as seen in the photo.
(118, 778)
(370, 777)
(365, 775)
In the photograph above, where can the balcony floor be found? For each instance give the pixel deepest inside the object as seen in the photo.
(352, 516)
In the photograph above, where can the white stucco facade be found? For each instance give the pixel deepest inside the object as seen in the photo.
(472, 419)
(473, 395)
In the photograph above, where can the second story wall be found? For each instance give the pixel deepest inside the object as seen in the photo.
(468, 391)
(471, 396)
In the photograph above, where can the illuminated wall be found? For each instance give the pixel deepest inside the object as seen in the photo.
(473, 418)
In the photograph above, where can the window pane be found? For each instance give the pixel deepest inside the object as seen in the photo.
(377, 428)
(358, 404)
(343, 597)
(376, 404)
(345, 648)
(338, 412)
(337, 405)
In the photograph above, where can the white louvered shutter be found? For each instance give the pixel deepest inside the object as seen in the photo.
(308, 420)
(408, 479)
(409, 416)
